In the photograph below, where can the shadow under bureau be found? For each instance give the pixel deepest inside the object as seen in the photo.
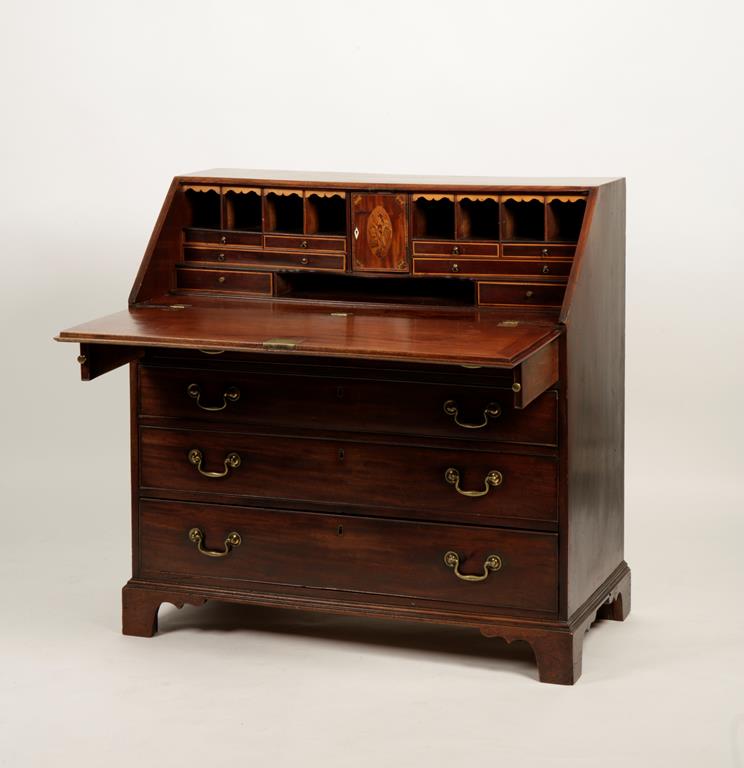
(396, 397)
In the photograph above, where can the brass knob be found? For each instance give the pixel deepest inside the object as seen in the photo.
(545, 269)
(223, 239)
(221, 279)
(528, 294)
(544, 251)
(456, 251)
(220, 257)
(304, 260)
(303, 244)
(455, 267)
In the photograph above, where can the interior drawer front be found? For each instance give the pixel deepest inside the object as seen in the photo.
(428, 247)
(538, 251)
(363, 555)
(223, 237)
(296, 469)
(224, 280)
(309, 243)
(223, 397)
(294, 260)
(520, 294)
(476, 267)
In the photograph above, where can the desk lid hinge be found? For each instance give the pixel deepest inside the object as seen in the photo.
(280, 343)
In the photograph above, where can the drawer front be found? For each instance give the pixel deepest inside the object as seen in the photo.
(477, 267)
(224, 280)
(309, 243)
(428, 247)
(538, 251)
(223, 237)
(354, 554)
(353, 474)
(456, 266)
(439, 410)
(290, 259)
(520, 294)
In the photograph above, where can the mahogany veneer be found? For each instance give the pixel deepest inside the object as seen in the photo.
(386, 396)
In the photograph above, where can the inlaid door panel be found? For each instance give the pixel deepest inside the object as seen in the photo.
(379, 233)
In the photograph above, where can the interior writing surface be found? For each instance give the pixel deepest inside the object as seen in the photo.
(462, 336)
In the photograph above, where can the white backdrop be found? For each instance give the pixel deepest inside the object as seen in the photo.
(102, 104)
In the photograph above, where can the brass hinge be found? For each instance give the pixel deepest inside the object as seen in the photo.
(280, 343)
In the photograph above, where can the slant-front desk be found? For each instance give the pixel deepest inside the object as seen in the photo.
(386, 396)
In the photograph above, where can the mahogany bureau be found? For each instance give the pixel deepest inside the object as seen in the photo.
(396, 397)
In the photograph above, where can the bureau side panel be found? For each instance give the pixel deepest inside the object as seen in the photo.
(157, 270)
(595, 399)
(134, 371)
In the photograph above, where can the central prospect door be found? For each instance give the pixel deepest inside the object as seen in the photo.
(379, 233)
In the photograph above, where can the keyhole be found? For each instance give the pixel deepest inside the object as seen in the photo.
(340, 530)
(341, 454)
(339, 392)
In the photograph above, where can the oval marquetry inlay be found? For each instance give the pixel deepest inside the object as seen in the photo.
(379, 232)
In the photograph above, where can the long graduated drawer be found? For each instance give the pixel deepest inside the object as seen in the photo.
(224, 398)
(437, 483)
(227, 544)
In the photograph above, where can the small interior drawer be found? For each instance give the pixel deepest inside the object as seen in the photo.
(538, 251)
(224, 280)
(352, 554)
(478, 267)
(310, 242)
(520, 294)
(223, 237)
(432, 248)
(290, 259)
(456, 266)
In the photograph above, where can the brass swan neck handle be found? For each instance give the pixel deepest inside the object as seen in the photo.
(491, 411)
(230, 395)
(493, 479)
(491, 563)
(196, 536)
(232, 461)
